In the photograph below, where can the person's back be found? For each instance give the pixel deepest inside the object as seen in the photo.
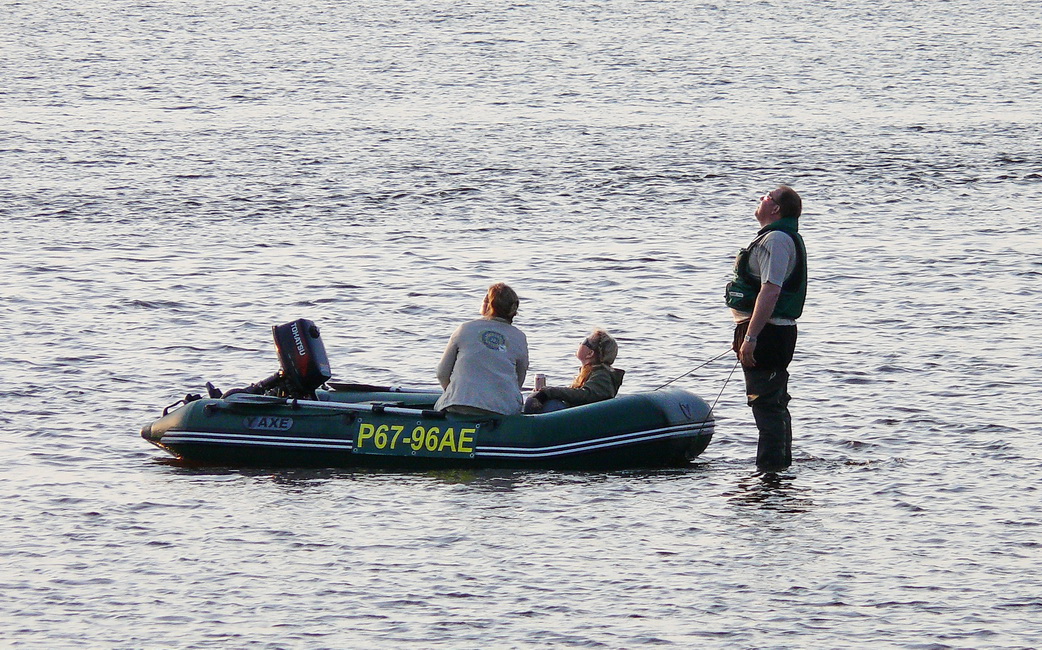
(486, 360)
(484, 367)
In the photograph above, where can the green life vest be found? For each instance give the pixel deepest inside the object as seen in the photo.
(742, 290)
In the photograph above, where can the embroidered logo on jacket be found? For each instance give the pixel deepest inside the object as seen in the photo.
(494, 340)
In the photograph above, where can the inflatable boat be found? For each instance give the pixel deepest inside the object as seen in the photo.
(296, 419)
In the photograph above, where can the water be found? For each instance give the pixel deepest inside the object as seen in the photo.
(178, 177)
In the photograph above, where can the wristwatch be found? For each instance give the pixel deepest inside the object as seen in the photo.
(750, 339)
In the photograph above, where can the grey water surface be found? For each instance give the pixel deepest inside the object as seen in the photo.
(178, 177)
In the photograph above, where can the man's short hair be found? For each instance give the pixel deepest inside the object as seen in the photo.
(789, 202)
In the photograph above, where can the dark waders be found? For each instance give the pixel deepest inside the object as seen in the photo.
(766, 386)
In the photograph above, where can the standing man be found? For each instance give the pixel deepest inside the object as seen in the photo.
(766, 297)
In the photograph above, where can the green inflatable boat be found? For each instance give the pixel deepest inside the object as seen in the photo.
(295, 419)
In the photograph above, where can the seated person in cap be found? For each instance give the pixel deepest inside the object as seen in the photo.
(596, 381)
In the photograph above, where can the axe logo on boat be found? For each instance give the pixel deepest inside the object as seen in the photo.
(494, 340)
(268, 423)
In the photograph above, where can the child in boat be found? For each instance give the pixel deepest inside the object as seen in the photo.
(596, 381)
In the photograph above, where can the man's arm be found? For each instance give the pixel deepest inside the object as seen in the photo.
(765, 302)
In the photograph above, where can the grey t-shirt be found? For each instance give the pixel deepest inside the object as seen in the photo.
(484, 366)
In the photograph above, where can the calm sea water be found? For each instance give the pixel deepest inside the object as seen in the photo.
(179, 176)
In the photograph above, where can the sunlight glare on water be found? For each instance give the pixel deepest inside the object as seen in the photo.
(180, 177)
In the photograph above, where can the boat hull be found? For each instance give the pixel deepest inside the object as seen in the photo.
(366, 427)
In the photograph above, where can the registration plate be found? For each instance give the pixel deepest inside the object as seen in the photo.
(412, 438)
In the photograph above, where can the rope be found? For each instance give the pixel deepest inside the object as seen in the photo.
(726, 381)
(729, 375)
(725, 353)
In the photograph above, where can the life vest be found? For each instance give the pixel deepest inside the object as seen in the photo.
(741, 292)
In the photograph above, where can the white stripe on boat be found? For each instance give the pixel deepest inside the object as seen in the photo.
(588, 445)
(200, 437)
(195, 437)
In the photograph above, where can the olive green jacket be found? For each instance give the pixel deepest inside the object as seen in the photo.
(603, 383)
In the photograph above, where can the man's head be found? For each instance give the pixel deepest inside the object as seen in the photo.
(779, 203)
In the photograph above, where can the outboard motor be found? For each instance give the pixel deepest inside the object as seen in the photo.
(303, 361)
(302, 356)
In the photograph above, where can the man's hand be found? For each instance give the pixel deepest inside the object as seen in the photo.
(746, 354)
(765, 302)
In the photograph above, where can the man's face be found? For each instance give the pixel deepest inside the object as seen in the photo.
(768, 206)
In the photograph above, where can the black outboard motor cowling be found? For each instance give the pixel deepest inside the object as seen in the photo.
(302, 356)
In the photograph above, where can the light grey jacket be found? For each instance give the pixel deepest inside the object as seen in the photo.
(484, 366)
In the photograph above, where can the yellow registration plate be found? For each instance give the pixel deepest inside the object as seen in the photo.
(393, 437)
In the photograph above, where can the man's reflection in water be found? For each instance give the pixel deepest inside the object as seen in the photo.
(772, 492)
